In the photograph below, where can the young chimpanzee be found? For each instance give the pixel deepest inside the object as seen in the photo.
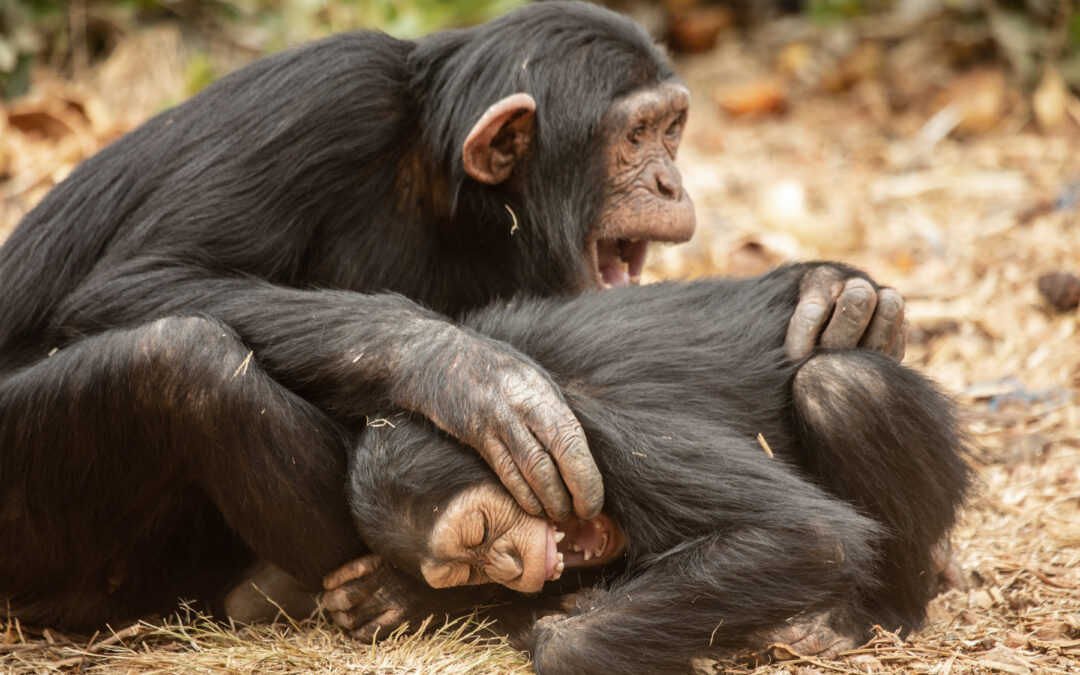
(751, 498)
(195, 325)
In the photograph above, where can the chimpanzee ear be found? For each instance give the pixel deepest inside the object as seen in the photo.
(499, 138)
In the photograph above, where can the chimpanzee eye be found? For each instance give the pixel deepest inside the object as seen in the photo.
(636, 135)
(676, 127)
(483, 530)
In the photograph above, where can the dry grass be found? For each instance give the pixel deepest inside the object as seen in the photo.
(963, 226)
(192, 643)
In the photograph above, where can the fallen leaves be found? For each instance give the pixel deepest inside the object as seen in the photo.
(755, 98)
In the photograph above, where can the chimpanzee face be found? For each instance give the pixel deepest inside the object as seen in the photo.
(483, 536)
(644, 200)
(641, 197)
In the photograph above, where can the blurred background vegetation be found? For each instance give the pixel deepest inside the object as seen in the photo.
(70, 35)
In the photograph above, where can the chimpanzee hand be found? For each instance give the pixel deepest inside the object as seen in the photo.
(489, 396)
(362, 601)
(858, 314)
(371, 600)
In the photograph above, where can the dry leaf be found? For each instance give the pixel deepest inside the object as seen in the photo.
(757, 98)
(979, 98)
(1049, 100)
(696, 29)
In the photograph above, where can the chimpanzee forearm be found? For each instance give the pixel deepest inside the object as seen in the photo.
(352, 353)
(338, 349)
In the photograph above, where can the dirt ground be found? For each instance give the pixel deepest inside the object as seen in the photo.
(937, 181)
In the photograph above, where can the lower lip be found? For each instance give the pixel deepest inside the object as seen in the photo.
(552, 552)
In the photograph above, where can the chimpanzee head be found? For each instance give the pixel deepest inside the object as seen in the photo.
(433, 508)
(560, 121)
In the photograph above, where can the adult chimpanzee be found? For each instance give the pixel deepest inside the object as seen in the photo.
(750, 497)
(196, 323)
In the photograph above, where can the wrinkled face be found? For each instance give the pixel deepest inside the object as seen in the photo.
(482, 536)
(645, 200)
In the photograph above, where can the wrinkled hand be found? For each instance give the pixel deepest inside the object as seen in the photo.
(494, 399)
(362, 601)
(858, 314)
(371, 600)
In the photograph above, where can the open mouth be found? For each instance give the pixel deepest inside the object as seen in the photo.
(618, 262)
(581, 543)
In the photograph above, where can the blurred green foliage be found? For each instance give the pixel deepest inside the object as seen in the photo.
(58, 31)
(275, 24)
(63, 33)
(831, 11)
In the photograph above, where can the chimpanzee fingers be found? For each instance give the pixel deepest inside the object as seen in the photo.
(539, 471)
(806, 323)
(502, 462)
(347, 597)
(559, 431)
(899, 348)
(854, 309)
(380, 627)
(885, 327)
(354, 569)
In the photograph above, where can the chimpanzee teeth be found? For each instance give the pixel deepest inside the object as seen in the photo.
(558, 571)
(559, 536)
(588, 555)
(603, 545)
(575, 547)
(560, 557)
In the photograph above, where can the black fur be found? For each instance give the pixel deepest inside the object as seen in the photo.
(185, 351)
(673, 383)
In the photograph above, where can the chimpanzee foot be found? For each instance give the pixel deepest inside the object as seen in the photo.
(265, 592)
(947, 570)
(808, 636)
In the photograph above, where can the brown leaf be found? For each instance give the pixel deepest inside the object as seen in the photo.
(696, 30)
(866, 663)
(1048, 102)
(979, 98)
(757, 98)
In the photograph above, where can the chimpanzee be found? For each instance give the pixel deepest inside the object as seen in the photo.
(751, 497)
(196, 324)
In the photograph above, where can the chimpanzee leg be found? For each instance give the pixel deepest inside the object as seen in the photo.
(788, 566)
(884, 439)
(143, 464)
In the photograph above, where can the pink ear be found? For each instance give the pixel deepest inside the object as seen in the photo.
(499, 138)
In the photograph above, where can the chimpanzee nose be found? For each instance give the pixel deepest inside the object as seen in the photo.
(668, 181)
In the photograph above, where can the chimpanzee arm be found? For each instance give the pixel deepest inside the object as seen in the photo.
(787, 566)
(351, 353)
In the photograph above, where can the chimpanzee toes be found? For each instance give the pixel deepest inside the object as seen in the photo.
(809, 636)
(947, 570)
